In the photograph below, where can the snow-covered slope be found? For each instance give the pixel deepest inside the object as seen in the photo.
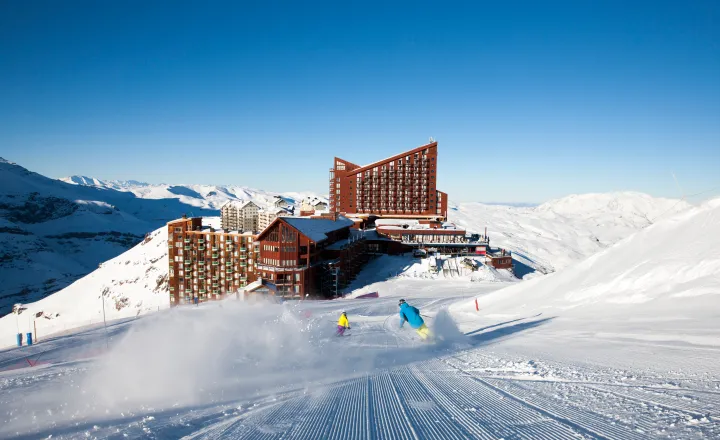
(52, 233)
(201, 196)
(561, 232)
(130, 284)
(666, 272)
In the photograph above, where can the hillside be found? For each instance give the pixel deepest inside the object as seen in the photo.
(52, 232)
(662, 282)
(561, 232)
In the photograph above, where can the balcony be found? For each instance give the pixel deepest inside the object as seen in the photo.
(187, 248)
(201, 248)
(215, 255)
(201, 263)
(229, 270)
(228, 263)
(201, 241)
(187, 240)
(215, 263)
(243, 249)
(243, 264)
(201, 277)
(188, 262)
(214, 248)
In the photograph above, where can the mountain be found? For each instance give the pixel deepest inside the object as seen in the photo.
(52, 232)
(202, 196)
(561, 232)
(660, 283)
(552, 236)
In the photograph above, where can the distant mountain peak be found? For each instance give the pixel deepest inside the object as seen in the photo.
(2, 160)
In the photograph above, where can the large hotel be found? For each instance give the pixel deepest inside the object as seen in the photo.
(401, 186)
(391, 206)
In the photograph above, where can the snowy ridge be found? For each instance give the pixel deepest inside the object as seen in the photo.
(562, 232)
(666, 271)
(211, 197)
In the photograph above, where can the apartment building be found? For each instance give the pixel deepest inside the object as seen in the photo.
(207, 264)
(267, 216)
(240, 216)
(312, 204)
(401, 186)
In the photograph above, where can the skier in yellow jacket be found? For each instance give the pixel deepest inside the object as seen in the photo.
(343, 324)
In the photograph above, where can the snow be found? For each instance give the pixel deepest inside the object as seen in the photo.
(52, 232)
(562, 232)
(131, 284)
(670, 266)
(316, 229)
(554, 357)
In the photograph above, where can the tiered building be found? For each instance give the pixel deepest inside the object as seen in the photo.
(401, 186)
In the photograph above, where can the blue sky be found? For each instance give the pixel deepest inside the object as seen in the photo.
(528, 100)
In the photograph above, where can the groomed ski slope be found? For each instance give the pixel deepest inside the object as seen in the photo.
(192, 374)
(555, 357)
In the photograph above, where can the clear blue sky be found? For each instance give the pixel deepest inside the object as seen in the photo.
(528, 100)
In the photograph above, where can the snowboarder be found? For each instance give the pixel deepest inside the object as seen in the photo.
(343, 324)
(412, 316)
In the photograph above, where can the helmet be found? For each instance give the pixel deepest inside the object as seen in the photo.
(401, 302)
(344, 312)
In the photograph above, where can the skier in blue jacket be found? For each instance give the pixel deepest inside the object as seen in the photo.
(412, 316)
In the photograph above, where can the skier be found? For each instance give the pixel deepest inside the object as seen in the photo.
(412, 316)
(343, 324)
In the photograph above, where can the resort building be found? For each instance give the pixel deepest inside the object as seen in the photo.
(401, 186)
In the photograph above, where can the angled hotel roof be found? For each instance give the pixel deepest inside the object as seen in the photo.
(389, 159)
(316, 228)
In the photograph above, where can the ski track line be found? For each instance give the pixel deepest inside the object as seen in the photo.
(670, 395)
(688, 409)
(643, 416)
(473, 428)
(217, 429)
(506, 418)
(351, 419)
(560, 417)
(267, 424)
(582, 419)
(431, 420)
(316, 418)
(396, 422)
